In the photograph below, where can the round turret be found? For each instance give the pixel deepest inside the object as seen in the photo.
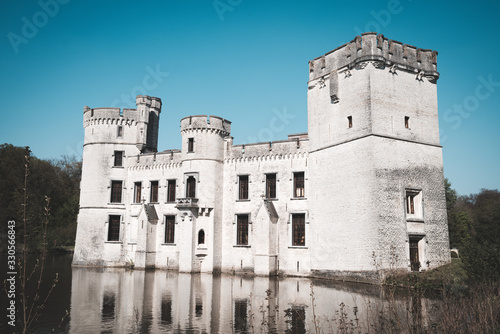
(203, 137)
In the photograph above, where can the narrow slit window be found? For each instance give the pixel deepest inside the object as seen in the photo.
(243, 187)
(298, 184)
(154, 192)
(242, 230)
(271, 186)
(119, 132)
(169, 229)
(116, 191)
(118, 159)
(190, 145)
(137, 192)
(349, 121)
(201, 237)
(407, 122)
(171, 191)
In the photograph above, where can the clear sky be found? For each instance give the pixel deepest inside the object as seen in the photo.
(244, 60)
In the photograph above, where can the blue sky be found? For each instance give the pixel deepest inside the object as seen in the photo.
(239, 59)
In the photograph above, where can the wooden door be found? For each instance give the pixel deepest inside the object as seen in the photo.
(414, 256)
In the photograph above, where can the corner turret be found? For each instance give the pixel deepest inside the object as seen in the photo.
(203, 136)
(148, 109)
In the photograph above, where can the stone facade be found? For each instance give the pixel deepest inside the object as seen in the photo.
(363, 190)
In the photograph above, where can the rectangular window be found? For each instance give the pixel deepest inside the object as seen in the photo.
(410, 204)
(116, 191)
(242, 230)
(119, 132)
(137, 192)
(118, 159)
(169, 229)
(413, 203)
(171, 191)
(298, 184)
(190, 144)
(270, 185)
(407, 122)
(349, 121)
(299, 229)
(114, 228)
(153, 198)
(243, 187)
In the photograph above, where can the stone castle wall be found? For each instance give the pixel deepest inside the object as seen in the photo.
(373, 138)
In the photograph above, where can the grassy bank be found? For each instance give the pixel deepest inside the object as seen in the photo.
(450, 277)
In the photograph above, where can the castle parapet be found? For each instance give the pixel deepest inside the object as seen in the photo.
(108, 115)
(372, 47)
(204, 122)
(150, 101)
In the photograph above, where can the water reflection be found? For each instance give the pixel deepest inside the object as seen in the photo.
(126, 301)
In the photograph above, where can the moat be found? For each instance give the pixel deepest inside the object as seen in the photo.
(111, 300)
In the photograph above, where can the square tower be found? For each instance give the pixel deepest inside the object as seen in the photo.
(375, 152)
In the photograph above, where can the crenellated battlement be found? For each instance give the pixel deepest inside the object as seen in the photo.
(204, 122)
(375, 47)
(94, 116)
(149, 101)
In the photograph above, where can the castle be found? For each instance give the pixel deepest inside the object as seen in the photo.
(362, 190)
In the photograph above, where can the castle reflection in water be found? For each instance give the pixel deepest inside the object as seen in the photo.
(134, 301)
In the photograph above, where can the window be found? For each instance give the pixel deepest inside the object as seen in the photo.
(270, 185)
(116, 191)
(153, 198)
(242, 229)
(413, 203)
(171, 191)
(118, 159)
(201, 237)
(407, 122)
(243, 187)
(299, 229)
(119, 132)
(349, 121)
(190, 144)
(298, 184)
(169, 229)
(137, 192)
(191, 187)
(114, 228)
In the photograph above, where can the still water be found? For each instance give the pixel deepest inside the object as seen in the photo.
(133, 301)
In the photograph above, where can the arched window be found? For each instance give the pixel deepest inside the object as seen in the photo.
(191, 187)
(201, 237)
